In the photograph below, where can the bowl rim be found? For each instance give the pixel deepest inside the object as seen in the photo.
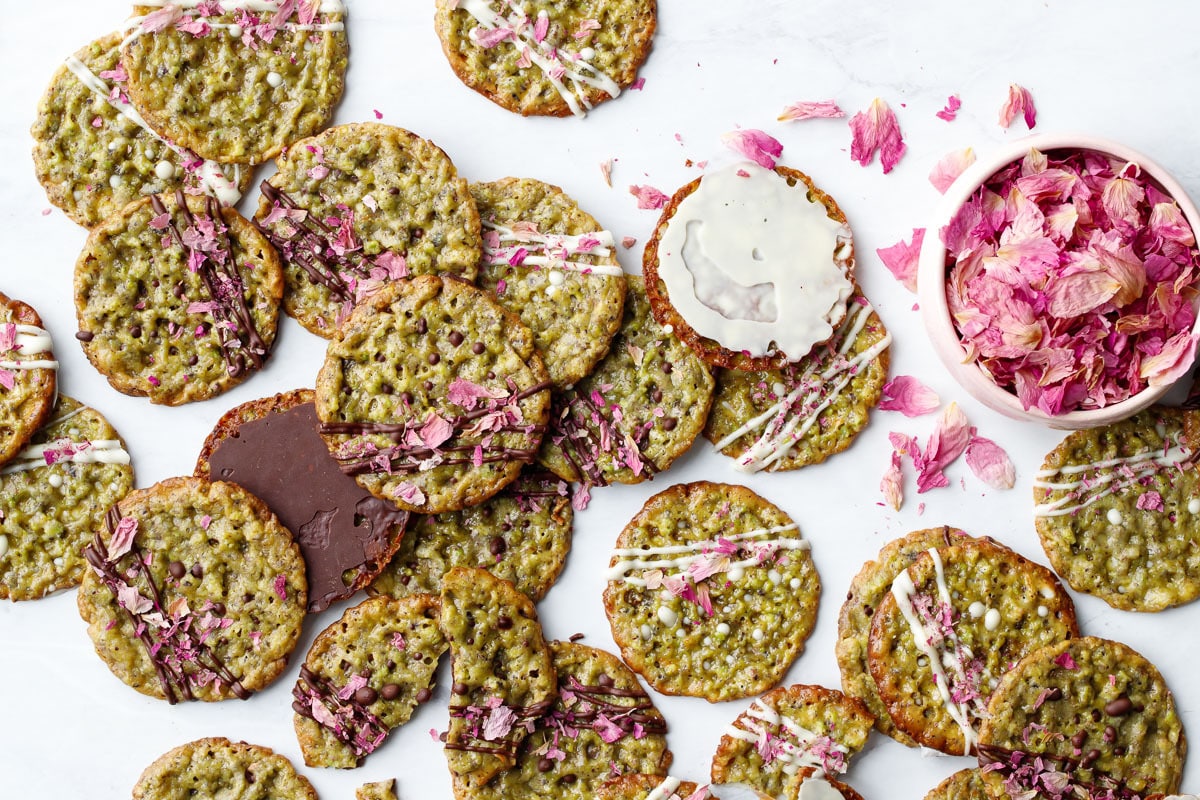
(931, 278)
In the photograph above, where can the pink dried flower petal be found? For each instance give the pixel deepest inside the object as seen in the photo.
(909, 396)
(489, 38)
(1150, 501)
(761, 148)
(499, 722)
(950, 112)
(281, 586)
(606, 170)
(1065, 661)
(648, 197)
(410, 493)
(1172, 362)
(990, 463)
(947, 170)
(892, 484)
(1019, 101)
(876, 129)
(817, 109)
(901, 259)
(122, 538)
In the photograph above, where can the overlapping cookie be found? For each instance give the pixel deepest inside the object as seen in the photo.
(522, 534)
(546, 58)
(640, 786)
(218, 768)
(52, 497)
(195, 591)
(177, 299)
(711, 592)
(637, 412)
(966, 784)
(432, 395)
(271, 448)
(376, 790)
(237, 81)
(1118, 511)
(751, 267)
(28, 375)
(1086, 717)
(359, 206)
(365, 675)
(555, 267)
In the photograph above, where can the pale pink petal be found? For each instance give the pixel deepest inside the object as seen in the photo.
(876, 129)
(122, 538)
(606, 170)
(947, 170)
(901, 259)
(909, 396)
(892, 484)
(1150, 501)
(947, 443)
(499, 722)
(489, 38)
(759, 147)
(410, 493)
(1019, 101)
(435, 431)
(816, 109)
(1172, 362)
(953, 104)
(648, 197)
(990, 463)
(609, 731)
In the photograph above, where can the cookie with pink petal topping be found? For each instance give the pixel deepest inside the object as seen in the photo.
(216, 767)
(28, 375)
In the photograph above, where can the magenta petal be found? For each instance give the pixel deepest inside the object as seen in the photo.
(892, 484)
(909, 396)
(826, 109)
(990, 463)
(947, 170)
(755, 145)
(1019, 101)
(901, 259)
(1172, 362)
(648, 197)
(876, 129)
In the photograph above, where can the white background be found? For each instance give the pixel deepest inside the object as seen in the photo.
(68, 729)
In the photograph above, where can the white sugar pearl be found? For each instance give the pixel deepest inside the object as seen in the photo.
(1194, 505)
(556, 278)
(992, 620)
(235, 31)
(976, 610)
(723, 628)
(55, 480)
(274, 79)
(165, 170)
(3, 545)
(1043, 611)
(1114, 516)
(668, 616)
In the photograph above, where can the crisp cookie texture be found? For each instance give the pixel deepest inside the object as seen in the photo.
(52, 498)
(432, 395)
(593, 724)
(522, 535)
(93, 160)
(552, 264)
(210, 578)
(365, 675)
(802, 727)
(238, 98)
(611, 39)
(708, 349)
(786, 419)
(503, 673)
(728, 569)
(867, 591)
(966, 784)
(640, 410)
(219, 769)
(1090, 708)
(980, 608)
(378, 790)
(177, 308)
(638, 786)
(358, 206)
(1117, 511)
(28, 376)
(813, 784)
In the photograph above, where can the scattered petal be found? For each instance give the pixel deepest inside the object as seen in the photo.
(1019, 101)
(648, 197)
(892, 484)
(759, 147)
(909, 396)
(953, 104)
(947, 170)
(819, 109)
(876, 130)
(990, 463)
(901, 259)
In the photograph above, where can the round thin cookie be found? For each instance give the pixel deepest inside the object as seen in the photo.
(94, 154)
(52, 496)
(966, 784)
(601, 722)
(271, 448)
(177, 299)
(221, 769)
(552, 264)
(546, 58)
(814, 784)
(1094, 712)
(365, 675)
(241, 84)
(776, 743)
(640, 786)
(752, 267)
(28, 375)
(786, 419)
(522, 534)
(358, 206)
(867, 590)
(1117, 509)
(432, 395)
(711, 592)
(951, 625)
(641, 408)
(195, 592)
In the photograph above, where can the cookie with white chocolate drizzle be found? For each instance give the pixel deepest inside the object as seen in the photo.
(28, 375)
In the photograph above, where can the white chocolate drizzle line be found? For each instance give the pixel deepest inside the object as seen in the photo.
(100, 451)
(213, 180)
(552, 249)
(1106, 480)
(134, 24)
(544, 56)
(326, 6)
(31, 341)
(903, 590)
(688, 554)
(665, 789)
(763, 721)
(790, 419)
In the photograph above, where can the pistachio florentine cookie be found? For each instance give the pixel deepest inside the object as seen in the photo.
(1118, 511)
(177, 299)
(752, 267)
(359, 206)
(639, 786)
(786, 419)
(711, 592)
(1093, 712)
(93, 152)
(195, 591)
(377, 790)
(546, 58)
(365, 675)
(432, 395)
(28, 375)
(52, 497)
(522, 534)
(642, 407)
(222, 770)
(813, 784)
(601, 722)
(503, 673)
(966, 784)
(236, 84)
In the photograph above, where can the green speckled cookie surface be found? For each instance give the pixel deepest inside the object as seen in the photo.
(639, 786)
(28, 375)
(376, 790)
(966, 784)
(48, 511)
(218, 769)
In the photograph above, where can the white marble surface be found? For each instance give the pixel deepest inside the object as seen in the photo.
(68, 729)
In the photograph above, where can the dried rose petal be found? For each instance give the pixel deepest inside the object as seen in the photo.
(947, 170)
(1065, 661)
(953, 104)
(876, 129)
(818, 109)
(1019, 101)
(759, 147)
(901, 259)
(648, 197)
(990, 463)
(892, 484)
(909, 396)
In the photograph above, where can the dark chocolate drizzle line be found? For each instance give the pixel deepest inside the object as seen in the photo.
(536, 712)
(170, 677)
(361, 719)
(997, 759)
(626, 716)
(565, 423)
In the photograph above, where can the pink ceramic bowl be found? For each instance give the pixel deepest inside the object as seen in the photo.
(932, 270)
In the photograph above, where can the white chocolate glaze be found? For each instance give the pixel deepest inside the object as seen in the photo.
(684, 555)
(100, 451)
(815, 787)
(763, 721)
(664, 789)
(551, 249)
(1103, 478)
(325, 7)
